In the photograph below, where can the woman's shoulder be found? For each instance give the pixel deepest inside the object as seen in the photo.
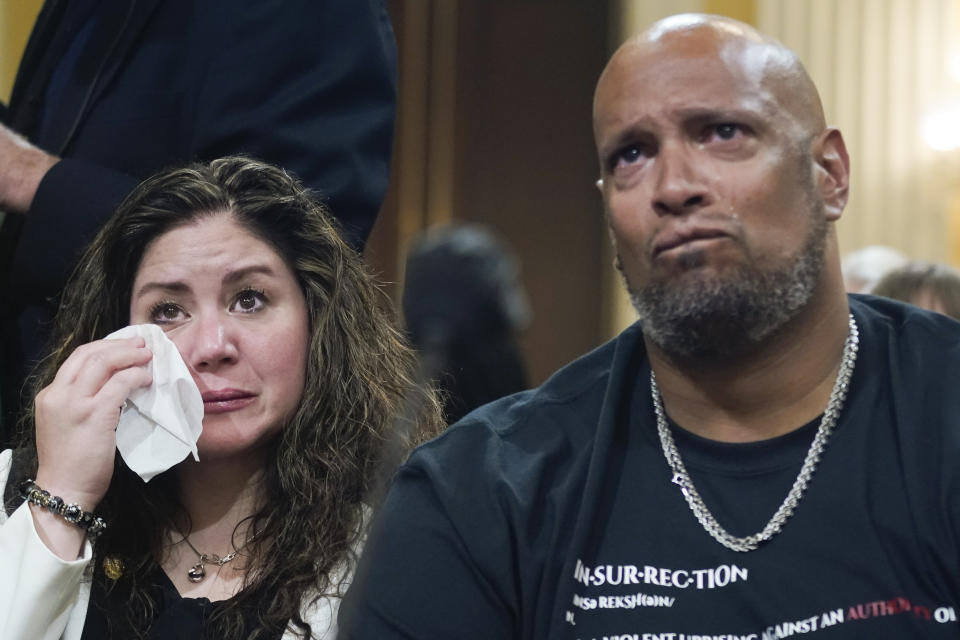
(6, 461)
(15, 466)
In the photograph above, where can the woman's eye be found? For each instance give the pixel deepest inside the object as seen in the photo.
(165, 312)
(248, 301)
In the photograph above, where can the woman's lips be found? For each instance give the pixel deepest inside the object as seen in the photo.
(225, 400)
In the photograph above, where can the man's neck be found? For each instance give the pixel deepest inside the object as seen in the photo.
(782, 385)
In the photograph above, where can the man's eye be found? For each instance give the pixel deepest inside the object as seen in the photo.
(723, 131)
(727, 131)
(626, 156)
(249, 301)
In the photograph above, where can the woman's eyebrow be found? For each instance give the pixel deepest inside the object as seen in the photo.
(178, 286)
(169, 287)
(241, 273)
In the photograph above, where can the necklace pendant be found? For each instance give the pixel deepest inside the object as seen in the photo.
(196, 573)
(677, 479)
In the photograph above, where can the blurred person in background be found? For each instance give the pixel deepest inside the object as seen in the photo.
(464, 308)
(929, 285)
(863, 268)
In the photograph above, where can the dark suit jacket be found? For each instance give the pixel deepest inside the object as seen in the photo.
(309, 85)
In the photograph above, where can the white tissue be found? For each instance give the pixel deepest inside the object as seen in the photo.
(160, 424)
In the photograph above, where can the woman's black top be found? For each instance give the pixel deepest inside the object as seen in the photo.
(178, 618)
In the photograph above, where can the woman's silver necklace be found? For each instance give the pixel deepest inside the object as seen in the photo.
(775, 525)
(198, 572)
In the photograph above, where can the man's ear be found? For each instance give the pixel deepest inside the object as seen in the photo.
(832, 171)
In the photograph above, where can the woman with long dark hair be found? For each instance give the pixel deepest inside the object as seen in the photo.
(303, 380)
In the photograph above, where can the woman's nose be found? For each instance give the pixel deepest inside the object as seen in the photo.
(208, 342)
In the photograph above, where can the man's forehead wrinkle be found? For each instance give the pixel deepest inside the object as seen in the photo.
(628, 75)
(765, 64)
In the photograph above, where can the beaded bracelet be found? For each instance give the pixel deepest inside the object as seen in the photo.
(72, 513)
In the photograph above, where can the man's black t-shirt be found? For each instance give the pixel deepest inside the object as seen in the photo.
(551, 514)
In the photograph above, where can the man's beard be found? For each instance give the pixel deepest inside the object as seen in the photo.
(730, 314)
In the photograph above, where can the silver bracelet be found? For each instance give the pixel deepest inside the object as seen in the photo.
(72, 513)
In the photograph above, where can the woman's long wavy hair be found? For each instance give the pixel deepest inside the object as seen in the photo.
(359, 396)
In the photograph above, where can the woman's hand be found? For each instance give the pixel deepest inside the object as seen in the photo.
(77, 414)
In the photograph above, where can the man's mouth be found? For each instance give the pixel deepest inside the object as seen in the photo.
(671, 240)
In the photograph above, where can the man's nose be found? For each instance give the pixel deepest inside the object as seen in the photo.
(208, 342)
(679, 186)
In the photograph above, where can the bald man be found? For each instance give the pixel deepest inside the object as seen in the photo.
(759, 457)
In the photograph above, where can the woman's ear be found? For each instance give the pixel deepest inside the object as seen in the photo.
(832, 171)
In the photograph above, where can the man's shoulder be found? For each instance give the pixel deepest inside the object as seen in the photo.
(908, 360)
(906, 329)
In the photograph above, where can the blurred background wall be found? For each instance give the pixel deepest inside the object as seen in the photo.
(494, 127)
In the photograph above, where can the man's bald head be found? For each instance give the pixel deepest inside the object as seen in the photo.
(760, 59)
(720, 180)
